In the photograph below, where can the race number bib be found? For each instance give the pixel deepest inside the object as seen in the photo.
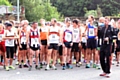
(34, 41)
(23, 40)
(84, 40)
(10, 42)
(91, 32)
(53, 36)
(75, 36)
(68, 36)
(0, 37)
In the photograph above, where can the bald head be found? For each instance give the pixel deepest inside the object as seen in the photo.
(102, 19)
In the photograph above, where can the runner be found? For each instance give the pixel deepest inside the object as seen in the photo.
(117, 44)
(23, 45)
(26, 22)
(53, 42)
(118, 49)
(10, 36)
(19, 52)
(2, 45)
(80, 46)
(84, 45)
(34, 42)
(67, 44)
(106, 35)
(113, 24)
(83, 41)
(91, 41)
(15, 41)
(60, 51)
(43, 37)
(76, 41)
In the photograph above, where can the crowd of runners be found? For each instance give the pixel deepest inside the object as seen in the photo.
(69, 42)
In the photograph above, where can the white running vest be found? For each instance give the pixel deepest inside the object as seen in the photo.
(10, 43)
(53, 35)
(34, 38)
(76, 35)
(67, 37)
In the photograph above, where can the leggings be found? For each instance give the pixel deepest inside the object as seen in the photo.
(10, 52)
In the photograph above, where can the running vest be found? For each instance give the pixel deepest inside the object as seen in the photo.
(67, 35)
(84, 40)
(34, 38)
(23, 39)
(10, 43)
(76, 35)
(1, 34)
(53, 35)
(91, 31)
(43, 33)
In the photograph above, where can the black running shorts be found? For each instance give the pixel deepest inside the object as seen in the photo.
(44, 42)
(53, 46)
(10, 52)
(91, 43)
(67, 44)
(75, 47)
(24, 47)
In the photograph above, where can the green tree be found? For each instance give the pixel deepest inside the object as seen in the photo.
(5, 2)
(50, 11)
(69, 7)
(36, 9)
(91, 12)
(76, 7)
(110, 7)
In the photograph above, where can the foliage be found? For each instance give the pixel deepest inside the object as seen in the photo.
(77, 7)
(5, 2)
(91, 12)
(37, 9)
(95, 13)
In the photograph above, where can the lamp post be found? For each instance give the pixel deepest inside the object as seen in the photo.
(18, 15)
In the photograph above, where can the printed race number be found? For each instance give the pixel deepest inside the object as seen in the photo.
(23, 39)
(53, 36)
(91, 32)
(11, 42)
(68, 37)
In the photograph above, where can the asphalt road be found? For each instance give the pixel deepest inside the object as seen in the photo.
(70, 74)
